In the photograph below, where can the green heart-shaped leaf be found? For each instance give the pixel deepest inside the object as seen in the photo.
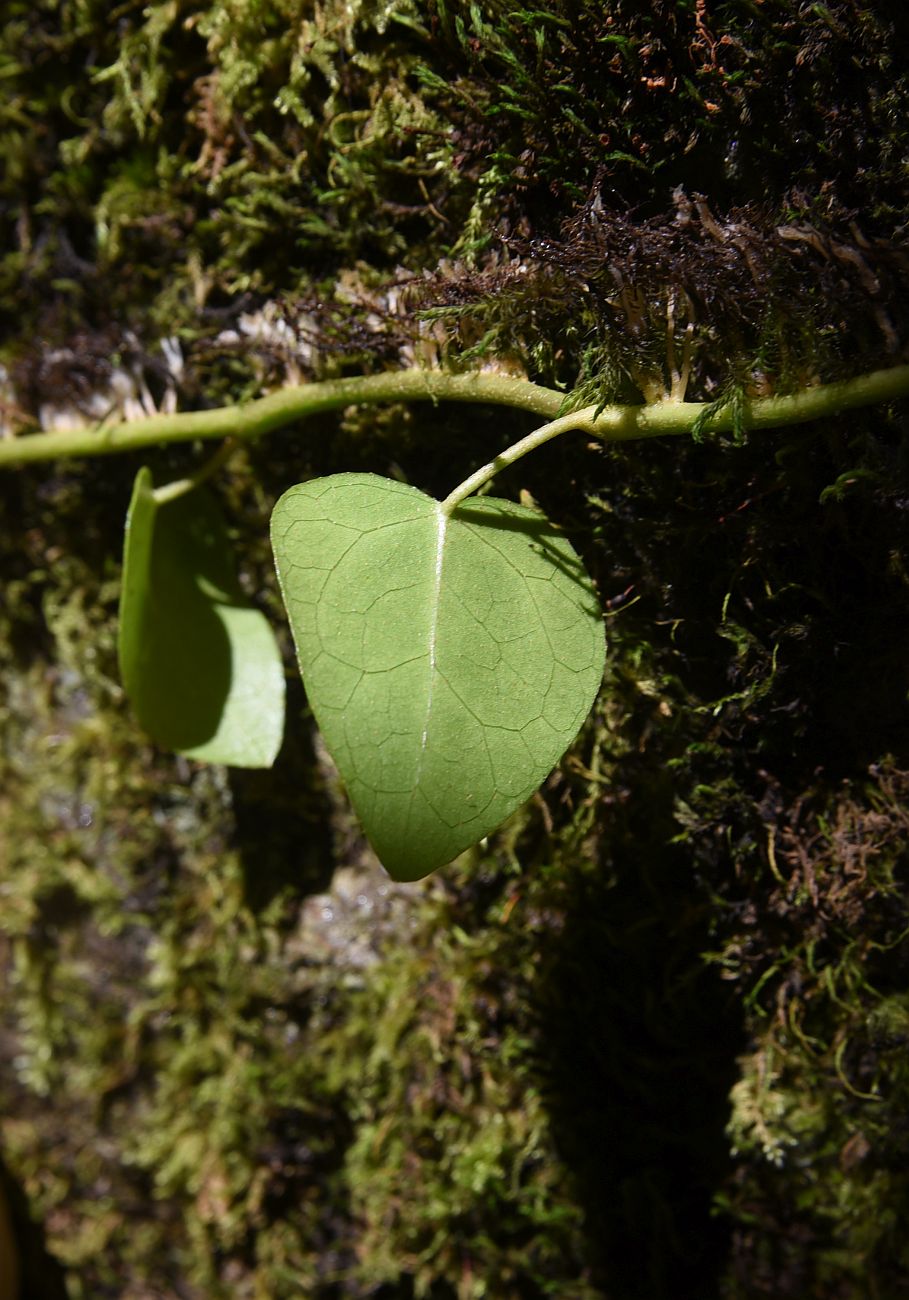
(200, 665)
(449, 661)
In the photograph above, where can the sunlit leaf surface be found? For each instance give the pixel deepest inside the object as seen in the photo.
(449, 662)
(199, 664)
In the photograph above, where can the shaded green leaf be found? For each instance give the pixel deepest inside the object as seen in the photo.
(199, 664)
(449, 663)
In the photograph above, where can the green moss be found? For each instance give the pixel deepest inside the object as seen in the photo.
(650, 1041)
(187, 160)
(168, 148)
(522, 1090)
(817, 1115)
(199, 1057)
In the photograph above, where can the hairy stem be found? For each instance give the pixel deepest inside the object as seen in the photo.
(611, 424)
(251, 420)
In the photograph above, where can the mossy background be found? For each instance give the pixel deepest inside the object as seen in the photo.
(652, 1040)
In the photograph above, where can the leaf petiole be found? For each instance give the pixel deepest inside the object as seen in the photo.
(565, 423)
(673, 416)
(180, 487)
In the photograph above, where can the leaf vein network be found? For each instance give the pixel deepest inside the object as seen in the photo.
(486, 541)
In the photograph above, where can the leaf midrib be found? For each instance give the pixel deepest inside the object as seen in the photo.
(438, 561)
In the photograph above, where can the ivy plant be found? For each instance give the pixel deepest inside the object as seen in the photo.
(451, 649)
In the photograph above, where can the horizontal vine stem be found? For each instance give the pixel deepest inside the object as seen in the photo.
(611, 423)
(618, 423)
(250, 420)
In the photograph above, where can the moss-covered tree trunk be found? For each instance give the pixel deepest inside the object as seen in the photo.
(650, 1041)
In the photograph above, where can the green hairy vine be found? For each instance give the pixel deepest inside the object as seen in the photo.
(451, 650)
